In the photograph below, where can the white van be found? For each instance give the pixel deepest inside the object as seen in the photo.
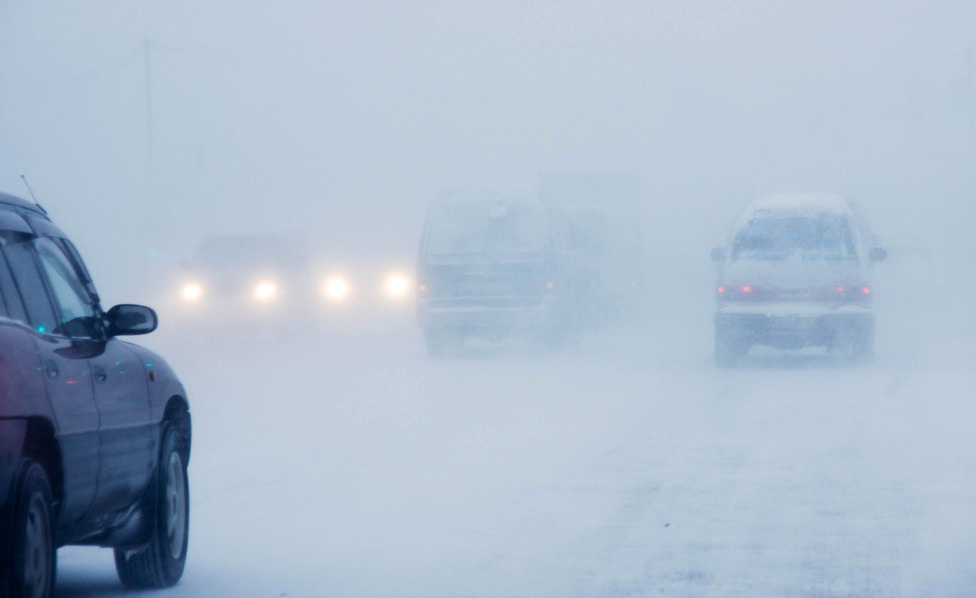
(796, 272)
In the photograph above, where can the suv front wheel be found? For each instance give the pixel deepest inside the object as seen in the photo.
(160, 563)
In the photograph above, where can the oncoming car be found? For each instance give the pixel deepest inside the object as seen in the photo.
(94, 432)
(244, 280)
(272, 282)
(366, 290)
(796, 272)
(364, 279)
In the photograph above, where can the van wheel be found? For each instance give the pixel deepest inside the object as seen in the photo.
(729, 352)
(160, 563)
(441, 344)
(31, 570)
(855, 346)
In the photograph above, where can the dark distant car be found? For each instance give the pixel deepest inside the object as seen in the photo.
(94, 431)
(488, 268)
(246, 280)
(796, 273)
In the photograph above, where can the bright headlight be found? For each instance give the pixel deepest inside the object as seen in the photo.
(191, 292)
(336, 288)
(265, 291)
(396, 285)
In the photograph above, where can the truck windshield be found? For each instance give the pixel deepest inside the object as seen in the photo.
(492, 228)
(825, 237)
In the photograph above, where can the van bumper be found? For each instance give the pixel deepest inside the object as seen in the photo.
(529, 316)
(792, 326)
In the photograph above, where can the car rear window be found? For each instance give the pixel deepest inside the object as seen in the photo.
(826, 237)
(492, 228)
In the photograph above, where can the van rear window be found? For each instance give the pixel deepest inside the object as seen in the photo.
(826, 237)
(492, 228)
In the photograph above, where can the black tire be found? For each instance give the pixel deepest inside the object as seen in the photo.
(729, 352)
(32, 568)
(160, 563)
(856, 344)
(443, 344)
(436, 345)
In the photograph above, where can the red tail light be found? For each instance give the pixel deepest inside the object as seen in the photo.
(842, 293)
(742, 292)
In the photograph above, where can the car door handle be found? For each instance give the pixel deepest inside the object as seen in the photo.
(100, 375)
(51, 367)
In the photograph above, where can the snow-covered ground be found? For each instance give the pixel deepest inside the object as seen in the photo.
(625, 466)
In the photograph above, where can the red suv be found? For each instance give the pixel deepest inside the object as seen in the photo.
(94, 431)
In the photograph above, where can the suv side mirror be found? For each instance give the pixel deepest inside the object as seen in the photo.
(131, 319)
(878, 254)
(718, 254)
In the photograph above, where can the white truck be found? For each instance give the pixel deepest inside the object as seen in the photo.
(596, 226)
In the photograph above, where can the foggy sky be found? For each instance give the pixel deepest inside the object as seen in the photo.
(144, 126)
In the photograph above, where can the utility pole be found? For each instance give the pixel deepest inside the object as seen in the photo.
(970, 99)
(150, 153)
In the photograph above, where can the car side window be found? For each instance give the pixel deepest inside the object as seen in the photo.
(8, 288)
(33, 293)
(8, 291)
(76, 306)
(82, 270)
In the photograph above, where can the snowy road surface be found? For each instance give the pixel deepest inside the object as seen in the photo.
(627, 466)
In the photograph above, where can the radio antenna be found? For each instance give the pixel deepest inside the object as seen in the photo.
(31, 191)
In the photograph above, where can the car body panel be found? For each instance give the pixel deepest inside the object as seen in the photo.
(67, 378)
(126, 444)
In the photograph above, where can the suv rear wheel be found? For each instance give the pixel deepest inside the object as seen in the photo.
(160, 563)
(30, 572)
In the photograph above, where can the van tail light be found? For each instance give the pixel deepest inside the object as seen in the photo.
(840, 293)
(742, 292)
(852, 292)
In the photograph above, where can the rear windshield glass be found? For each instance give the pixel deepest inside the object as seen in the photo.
(826, 237)
(491, 227)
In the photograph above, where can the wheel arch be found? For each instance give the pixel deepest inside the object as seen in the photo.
(41, 445)
(177, 413)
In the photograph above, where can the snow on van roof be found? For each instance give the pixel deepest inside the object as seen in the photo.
(795, 204)
(485, 195)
